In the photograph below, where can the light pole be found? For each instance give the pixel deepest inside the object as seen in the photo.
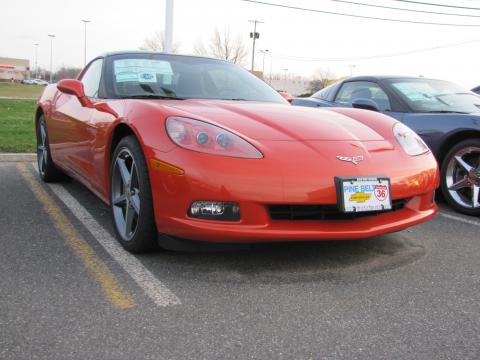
(285, 79)
(263, 63)
(36, 64)
(270, 75)
(351, 66)
(85, 40)
(51, 36)
(254, 35)
(168, 26)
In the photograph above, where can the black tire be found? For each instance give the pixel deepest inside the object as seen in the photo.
(464, 174)
(131, 200)
(46, 168)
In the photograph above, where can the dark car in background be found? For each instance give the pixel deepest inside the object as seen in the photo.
(476, 90)
(446, 116)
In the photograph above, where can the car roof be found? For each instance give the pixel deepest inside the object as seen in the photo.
(385, 77)
(146, 52)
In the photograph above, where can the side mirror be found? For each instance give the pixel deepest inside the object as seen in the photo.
(366, 104)
(74, 87)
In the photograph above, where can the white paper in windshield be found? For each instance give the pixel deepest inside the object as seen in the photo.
(416, 91)
(140, 70)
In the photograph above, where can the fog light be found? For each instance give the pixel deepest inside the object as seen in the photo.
(215, 210)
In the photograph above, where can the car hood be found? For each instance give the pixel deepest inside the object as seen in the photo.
(267, 121)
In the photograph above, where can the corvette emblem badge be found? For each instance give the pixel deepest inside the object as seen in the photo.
(353, 159)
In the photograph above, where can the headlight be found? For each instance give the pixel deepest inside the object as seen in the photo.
(200, 136)
(411, 143)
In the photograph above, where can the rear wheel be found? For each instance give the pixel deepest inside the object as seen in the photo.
(46, 168)
(130, 197)
(460, 177)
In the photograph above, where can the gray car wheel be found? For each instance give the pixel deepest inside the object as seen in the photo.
(130, 197)
(46, 168)
(460, 176)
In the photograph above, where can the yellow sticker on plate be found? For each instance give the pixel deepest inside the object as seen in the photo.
(360, 197)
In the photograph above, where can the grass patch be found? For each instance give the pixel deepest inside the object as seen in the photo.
(17, 133)
(20, 90)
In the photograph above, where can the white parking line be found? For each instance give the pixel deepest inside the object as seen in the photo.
(459, 218)
(154, 289)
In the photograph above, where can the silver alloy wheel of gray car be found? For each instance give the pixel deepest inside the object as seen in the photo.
(42, 148)
(125, 194)
(463, 177)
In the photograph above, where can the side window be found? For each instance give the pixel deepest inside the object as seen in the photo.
(91, 78)
(351, 91)
(325, 93)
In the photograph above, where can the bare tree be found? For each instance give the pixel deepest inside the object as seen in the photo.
(199, 49)
(157, 43)
(224, 46)
(66, 72)
(320, 79)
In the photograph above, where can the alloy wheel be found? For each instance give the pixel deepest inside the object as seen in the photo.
(463, 177)
(42, 148)
(125, 194)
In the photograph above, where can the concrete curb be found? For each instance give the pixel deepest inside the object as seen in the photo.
(15, 98)
(18, 157)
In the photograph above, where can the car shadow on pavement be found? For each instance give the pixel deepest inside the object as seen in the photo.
(273, 262)
(293, 261)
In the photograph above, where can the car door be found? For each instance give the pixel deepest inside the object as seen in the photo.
(353, 90)
(74, 132)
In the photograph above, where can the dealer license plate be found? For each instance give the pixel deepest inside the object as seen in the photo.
(363, 194)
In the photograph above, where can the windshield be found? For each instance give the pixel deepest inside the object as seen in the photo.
(183, 77)
(425, 95)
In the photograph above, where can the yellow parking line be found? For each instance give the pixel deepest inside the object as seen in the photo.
(109, 284)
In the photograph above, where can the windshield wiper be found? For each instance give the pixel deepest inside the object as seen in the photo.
(150, 96)
(445, 112)
(234, 99)
(458, 93)
(150, 90)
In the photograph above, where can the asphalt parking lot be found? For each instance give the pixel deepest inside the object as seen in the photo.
(68, 291)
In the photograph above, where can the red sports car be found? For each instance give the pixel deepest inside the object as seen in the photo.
(286, 95)
(198, 148)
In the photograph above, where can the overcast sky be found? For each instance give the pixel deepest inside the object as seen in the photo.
(123, 25)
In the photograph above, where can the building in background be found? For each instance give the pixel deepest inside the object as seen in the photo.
(17, 69)
(296, 86)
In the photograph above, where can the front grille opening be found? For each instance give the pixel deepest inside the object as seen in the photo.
(322, 212)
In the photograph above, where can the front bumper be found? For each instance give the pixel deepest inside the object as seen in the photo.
(256, 184)
(417, 210)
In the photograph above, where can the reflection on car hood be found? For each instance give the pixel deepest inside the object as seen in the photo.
(267, 121)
